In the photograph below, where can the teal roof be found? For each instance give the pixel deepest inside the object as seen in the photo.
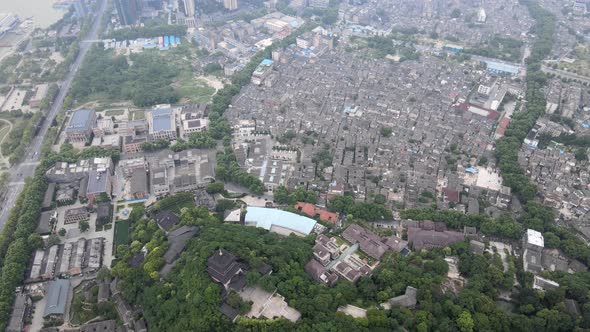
(56, 297)
(266, 218)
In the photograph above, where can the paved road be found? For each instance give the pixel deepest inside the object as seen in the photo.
(27, 168)
(565, 74)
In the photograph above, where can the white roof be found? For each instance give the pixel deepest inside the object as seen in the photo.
(266, 218)
(535, 237)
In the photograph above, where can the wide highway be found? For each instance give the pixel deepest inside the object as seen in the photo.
(26, 168)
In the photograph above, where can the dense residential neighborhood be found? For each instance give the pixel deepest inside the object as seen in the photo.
(296, 165)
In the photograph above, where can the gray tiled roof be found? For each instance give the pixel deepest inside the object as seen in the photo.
(56, 297)
(80, 120)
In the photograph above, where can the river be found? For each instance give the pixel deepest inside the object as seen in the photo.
(41, 10)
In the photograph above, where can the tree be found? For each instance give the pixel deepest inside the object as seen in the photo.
(211, 68)
(122, 250)
(215, 188)
(456, 13)
(53, 240)
(35, 241)
(103, 274)
(224, 205)
(386, 131)
(465, 322)
(83, 226)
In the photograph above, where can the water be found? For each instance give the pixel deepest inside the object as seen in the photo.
(42, 11)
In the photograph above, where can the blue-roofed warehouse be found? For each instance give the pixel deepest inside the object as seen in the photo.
(57, 293)
(79, 128)
(502, 68)
(161, 123)
(279, 221)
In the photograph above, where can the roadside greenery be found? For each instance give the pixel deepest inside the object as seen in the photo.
(147, 32)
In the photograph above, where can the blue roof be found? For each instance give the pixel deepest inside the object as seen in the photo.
(586, 125)
(503, 67)
(161, 112)
(471, 170)
(80, 120)
(56, 297)
(267, 62)
(161, 119)
(266, 218)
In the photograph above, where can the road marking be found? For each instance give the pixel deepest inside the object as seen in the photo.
(31, 163)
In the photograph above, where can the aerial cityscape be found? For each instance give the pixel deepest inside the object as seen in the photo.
(295, 165)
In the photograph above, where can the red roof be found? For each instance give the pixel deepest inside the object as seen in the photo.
(493, 115)
(504, 122)
(313, 211)
(452, 195)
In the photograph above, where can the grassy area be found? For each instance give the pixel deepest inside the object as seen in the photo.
(122, 232)
(178, 207)
(3, 130)
(195, 90)
(114, 112)
(581, 65)
(175, 203)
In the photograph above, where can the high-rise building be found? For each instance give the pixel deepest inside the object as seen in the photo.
(230, 4)
(156, 4)
(189, 8)
(80, 7)
(129, 11)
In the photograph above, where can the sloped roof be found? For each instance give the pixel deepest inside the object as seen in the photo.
(56, 297)
(266, 218)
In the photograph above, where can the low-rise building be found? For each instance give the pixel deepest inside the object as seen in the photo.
(262, 71)
(372, 244)
(133, 143)
(279, 221)
(223, 267)
(533, 244)
(21, 305)
(138, 184)
(430, 235)
(159, 181)
(79, 128)
(56, 298)
(192, 124)
(76, 215)
(161, 123)
(317, 212)
(99, 183)
(407, 300)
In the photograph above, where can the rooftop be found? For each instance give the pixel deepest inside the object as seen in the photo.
(535, 238)
(56, 297)
(267, 218)
(80, 120)
(162, 119)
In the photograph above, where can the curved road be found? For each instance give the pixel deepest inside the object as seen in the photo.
(27, 168)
